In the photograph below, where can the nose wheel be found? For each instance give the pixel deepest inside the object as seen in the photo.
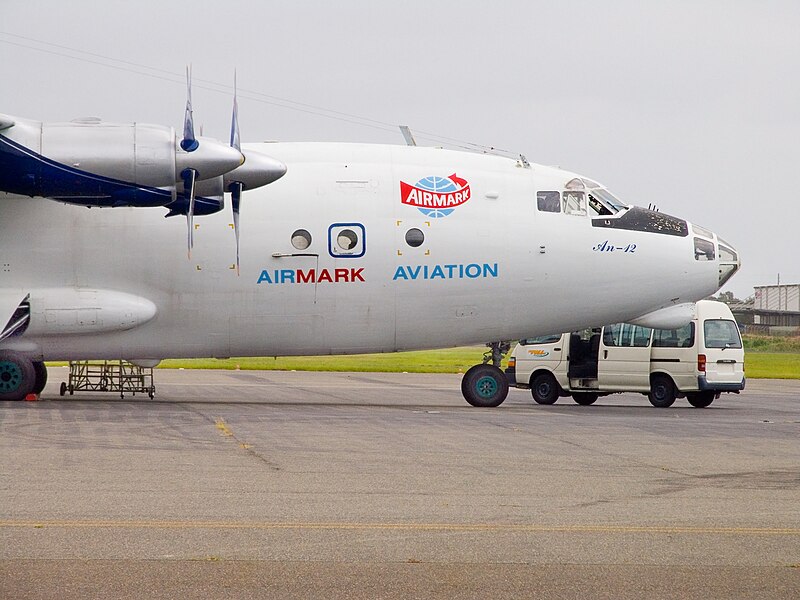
(486, 385)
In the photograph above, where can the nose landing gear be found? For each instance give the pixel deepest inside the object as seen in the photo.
(485, 385)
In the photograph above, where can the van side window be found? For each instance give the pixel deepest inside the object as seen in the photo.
(674, 338)
(626, 335)
(721, 333)
(548, 201)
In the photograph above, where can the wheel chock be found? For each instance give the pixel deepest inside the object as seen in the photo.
(32, 398)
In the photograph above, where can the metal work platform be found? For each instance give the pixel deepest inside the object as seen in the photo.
(108, 376)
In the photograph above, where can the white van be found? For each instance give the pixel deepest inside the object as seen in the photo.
(698, 361)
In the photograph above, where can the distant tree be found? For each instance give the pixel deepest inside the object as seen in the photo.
(726, 297)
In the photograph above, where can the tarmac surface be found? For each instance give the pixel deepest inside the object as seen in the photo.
(262, 484)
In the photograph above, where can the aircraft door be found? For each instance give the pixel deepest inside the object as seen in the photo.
(624, 358)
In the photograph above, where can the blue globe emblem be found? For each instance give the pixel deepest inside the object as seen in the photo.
(440, 185)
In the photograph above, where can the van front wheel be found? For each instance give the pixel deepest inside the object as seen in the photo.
(544, 388)
(700, 399)
(662, 391)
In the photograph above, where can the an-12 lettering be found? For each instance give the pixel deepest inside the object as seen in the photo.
(605, 246)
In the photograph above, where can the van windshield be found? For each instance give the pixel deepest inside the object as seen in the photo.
(542, 339)
(721, 333)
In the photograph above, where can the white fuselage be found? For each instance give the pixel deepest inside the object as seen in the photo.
(496, 268)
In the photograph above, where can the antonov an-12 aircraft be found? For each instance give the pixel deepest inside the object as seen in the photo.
(345, 249)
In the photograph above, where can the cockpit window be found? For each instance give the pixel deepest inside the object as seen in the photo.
(600, 201)
(702, 231)
(726, 252)
(597, 207)
(703, 249)
(610, 199)
(574, 203)
(548, 201)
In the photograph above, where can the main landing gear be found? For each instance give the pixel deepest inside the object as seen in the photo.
(485, 384)
(20, 376)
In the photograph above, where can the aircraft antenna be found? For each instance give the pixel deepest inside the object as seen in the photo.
(410, 141)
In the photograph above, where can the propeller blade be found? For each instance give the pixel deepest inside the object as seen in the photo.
(189, 179)
(236, 187)
(235, 140)
(189, 142)
(236, 197)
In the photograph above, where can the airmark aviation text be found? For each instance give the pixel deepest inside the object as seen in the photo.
(403, 272)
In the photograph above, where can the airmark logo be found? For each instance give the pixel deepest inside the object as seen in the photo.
(311, 276)
(436, 196)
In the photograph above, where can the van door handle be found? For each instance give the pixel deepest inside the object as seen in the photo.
(556, 349)
(728, 361)
(605, 354)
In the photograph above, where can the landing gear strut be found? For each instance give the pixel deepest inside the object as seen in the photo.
(485, 385)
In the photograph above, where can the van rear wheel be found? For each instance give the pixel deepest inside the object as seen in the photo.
(545, 388)
(700, 399)
(662, 391)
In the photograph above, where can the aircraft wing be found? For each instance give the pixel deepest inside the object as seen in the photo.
(6, 122)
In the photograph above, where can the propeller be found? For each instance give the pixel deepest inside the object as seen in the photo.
(256, 171)
(236, 187)
(189, 179)
(189, 143)
(210, 168)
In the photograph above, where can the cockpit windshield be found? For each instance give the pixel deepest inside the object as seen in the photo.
(608, 199)
(580, 197)
(601, 201)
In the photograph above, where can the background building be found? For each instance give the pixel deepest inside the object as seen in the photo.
(772, 309)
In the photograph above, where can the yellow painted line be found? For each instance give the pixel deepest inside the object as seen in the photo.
(223, 427)
(454, 527)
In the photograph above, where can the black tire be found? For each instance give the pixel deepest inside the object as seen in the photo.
(662, 391)
(700, 399)
(17, 375)
(41, 377)
(585, 398)
(545, 388)
(63, 389)
(484, 386)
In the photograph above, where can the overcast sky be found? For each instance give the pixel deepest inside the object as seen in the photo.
(693, 106)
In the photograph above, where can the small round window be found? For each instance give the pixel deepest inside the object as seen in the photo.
(415, 237)
(301, 239)
(346, 239)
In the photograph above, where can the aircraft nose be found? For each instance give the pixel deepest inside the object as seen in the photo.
(709, 247)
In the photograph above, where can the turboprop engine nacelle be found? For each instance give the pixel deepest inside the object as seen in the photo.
(93, 163)
(671, 317)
